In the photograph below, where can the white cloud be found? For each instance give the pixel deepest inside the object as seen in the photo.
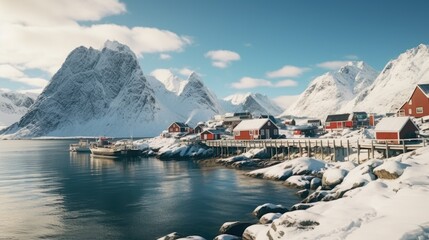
(13, 74)
(8, 71)
(33, 92)
(287, 71)
(248, 82)
(40, 34)
(165, 56)
(185, 72)
(285, 101)
(57, 12)
(332, 65)
(222, 58)
(286, 83)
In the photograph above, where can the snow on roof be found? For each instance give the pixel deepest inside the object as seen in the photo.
(391, 124)
(252, 124)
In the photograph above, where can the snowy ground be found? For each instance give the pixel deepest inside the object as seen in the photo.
(380, 199)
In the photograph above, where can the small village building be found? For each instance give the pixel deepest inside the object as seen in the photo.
(360, 119)
(179, 127)
(211, 134)
(418, 103)
(199, 128)
(305, 130)
(314, 122)
(231, 120)
(338, 121)
(256, 129)
(393, 129)
(290, 122)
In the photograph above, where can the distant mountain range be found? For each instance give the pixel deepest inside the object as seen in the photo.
(358, 87)
(13, 106)
(104, 92)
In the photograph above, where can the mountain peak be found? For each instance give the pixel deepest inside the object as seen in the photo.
(117, 47)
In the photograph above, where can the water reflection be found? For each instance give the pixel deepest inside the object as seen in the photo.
(47, 192)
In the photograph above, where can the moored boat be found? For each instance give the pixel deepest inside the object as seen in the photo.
(120, 149)
(82, 146)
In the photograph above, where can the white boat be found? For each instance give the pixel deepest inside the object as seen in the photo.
(82, 146)
(120, 149)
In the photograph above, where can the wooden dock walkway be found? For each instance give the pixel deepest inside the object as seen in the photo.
(322, 146)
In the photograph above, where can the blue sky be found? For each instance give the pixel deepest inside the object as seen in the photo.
(272, 47)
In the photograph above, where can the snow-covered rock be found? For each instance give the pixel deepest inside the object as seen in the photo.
(254, 103)
(390, 170)
(332, 177)
(284, 170)
(227, 237)
(269, 218)
(297, 181)
(363, 211)
(268, 208)
(256, 232)
(327, 93)
(13, 106)
(234, 228)
(315, 183)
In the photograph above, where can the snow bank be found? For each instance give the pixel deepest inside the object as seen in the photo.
(369, 211)
(284, 170)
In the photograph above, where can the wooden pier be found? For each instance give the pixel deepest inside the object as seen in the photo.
(338, 148)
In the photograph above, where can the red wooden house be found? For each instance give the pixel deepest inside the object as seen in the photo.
(393, 129)
(179, 127)
(418, 104)
(256, 129)
(211, 134)
(338, 121)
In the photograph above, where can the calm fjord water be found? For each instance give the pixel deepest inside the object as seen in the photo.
(47, 192)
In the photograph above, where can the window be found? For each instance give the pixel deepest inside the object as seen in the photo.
(269, 123)
(410, 111)
(275, 131)
(419, 110)
(262, 132)
(237, 133)
(410, 102)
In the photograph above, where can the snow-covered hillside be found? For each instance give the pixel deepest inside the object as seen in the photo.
(94, 93)
(13, 106)
(252, 102)
(395, 83)
(326, 94)
(170, 81)
(104, 92)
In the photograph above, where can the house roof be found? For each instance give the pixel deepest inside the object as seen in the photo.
(338, 117)
(392, 124)
(252, 124)
(214, 131)
(180, 124)
(424, 88)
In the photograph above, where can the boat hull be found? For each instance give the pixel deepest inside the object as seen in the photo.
(111, 152)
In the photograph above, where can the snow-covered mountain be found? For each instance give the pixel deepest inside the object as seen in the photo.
(94, 93)
(170, 81)
(104, 92)
(192, 102)
(328, 93)
(395, 83)
(13, 106)
(254, 103)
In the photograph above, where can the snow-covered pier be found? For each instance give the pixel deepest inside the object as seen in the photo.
(337, 148)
